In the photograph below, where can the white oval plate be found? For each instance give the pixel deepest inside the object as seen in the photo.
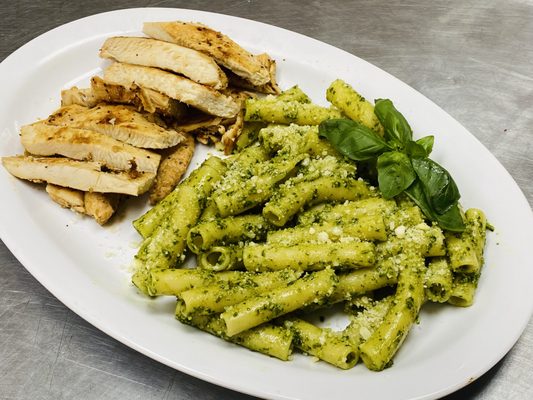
(86, 266)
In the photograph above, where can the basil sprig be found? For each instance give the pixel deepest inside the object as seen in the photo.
(403, 165)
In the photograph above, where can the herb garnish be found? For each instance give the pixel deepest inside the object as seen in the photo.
(403, 165)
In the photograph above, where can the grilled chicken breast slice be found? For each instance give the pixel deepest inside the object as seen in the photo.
(142, 98)
(153, 101)
(198, 123)
(168, 56)
(100, 206)
(67, 197)
(82, 144)
(173, 165)
(101, 92)
(174, 86)
(105, 92)
(215, 44)
(83, 97)
(118, 121)
(81, 175)
(233, 131)
(271, 87)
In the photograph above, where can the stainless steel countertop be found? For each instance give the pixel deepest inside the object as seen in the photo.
(472, 58)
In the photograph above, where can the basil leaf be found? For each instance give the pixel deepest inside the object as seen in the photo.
(413, 149)
(438, 185)
(416, 193)
(421, 148)
(352, 139)
(451, 220)
(427, 143)
(397, 130)
(395, 173)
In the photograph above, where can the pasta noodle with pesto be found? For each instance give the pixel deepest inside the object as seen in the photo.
(287, 226)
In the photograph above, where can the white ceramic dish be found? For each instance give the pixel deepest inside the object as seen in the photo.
(86, 266)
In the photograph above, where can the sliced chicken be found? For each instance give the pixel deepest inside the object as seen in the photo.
(174, 86)
(168, 56)
(100, 206)
(67, 197)
(210, 135)
(101, 92)
(82, 144)
(202, 38)
(200, 123)
(232, 127)
(204, 128)
(223, 132)
(229, 137)
(81, 175)
(118, 121)
(142, 98)
(106, 92)
(82, 97)
(271, 87)
(153, 101)
(173, 166)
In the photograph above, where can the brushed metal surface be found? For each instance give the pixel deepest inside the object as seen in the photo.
(472, 58)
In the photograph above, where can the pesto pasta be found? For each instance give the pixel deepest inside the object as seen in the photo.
(308, 257)
(210, 170)
(226, 230)
(272, 340)
(221, 258)
(378, 350)
(325, 344)
(291, 199)
(438, 280)
(355, 106)
(287, 112)
(287, 226)
(173, 281)
(367, 227)
(215, 298)
(254, 311)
